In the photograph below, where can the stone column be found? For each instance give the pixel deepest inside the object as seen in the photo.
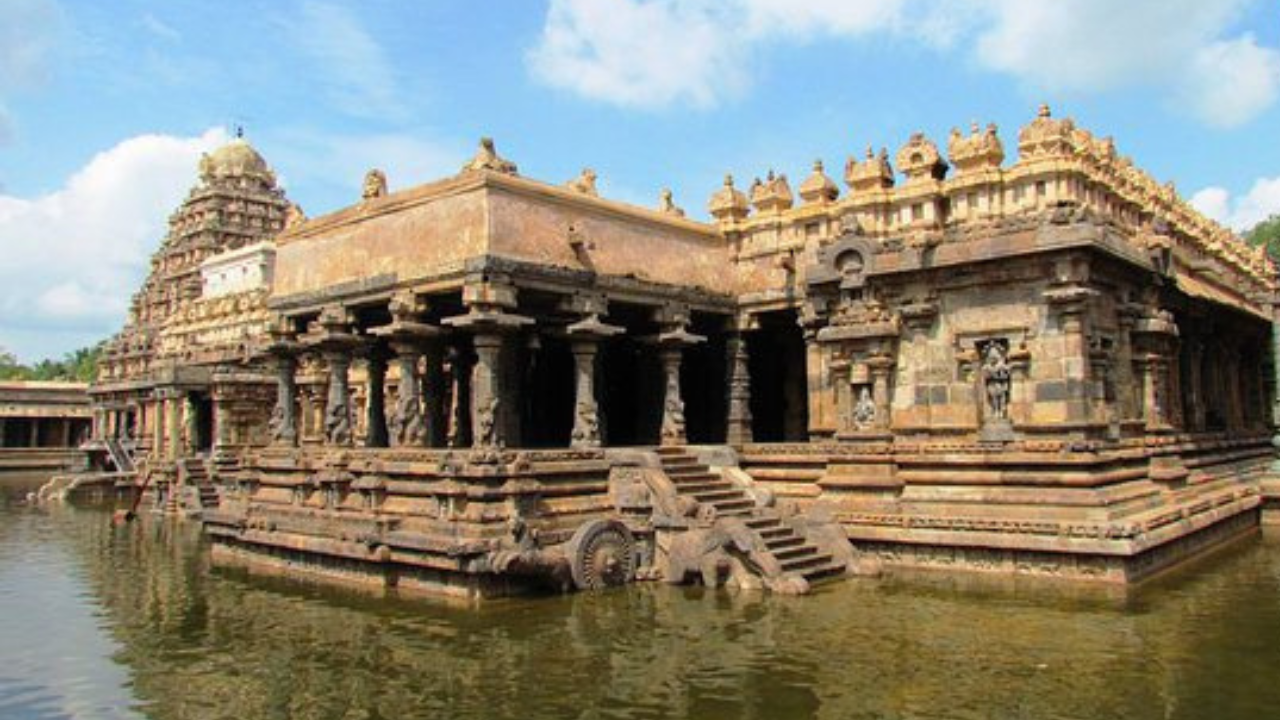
(493, 422)
(337, 411)
(375, 403)
(1154, 412)
(157, 426)
(407, 427)
(284, 418)
(881, 367)
(173, 411)
(738, 423)
(673, 428)
(486, 405)
(586, 335)
(586, 413)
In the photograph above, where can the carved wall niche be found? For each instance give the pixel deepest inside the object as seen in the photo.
(997, 365)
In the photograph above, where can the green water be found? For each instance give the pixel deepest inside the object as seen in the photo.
(102, 622)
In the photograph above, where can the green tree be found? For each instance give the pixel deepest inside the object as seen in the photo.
(76, 366)
(1267, 234)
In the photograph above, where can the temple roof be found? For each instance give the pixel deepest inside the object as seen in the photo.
(235, 159)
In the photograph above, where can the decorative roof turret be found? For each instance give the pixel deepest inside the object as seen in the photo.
(487, 158)
(375, 185)
(919, 160)
(585, 183)
(667, 205)
(818, 188)
(980, 150)
(729, 203)
(772, 195)
(1046, 136)
(873, 173)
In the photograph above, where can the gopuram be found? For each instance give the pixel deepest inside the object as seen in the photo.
(487, 383)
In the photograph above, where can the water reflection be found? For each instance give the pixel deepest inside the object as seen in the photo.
(197, 643)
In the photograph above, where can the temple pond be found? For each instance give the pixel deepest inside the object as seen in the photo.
(103, 622)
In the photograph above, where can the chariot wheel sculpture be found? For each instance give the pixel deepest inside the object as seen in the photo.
(602, 553)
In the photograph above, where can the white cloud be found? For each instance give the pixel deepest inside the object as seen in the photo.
(1232, 81)
(1240, 214)
(644, 54)
(354, 68)
(657, 53)
(70, 260)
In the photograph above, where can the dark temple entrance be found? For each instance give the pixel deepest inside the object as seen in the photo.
(779, 384)
(630, 380)
(547, 401)
(203, 421)
(704, 383)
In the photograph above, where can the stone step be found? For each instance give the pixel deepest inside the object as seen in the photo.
(700, 477)
(782, 542)
(685, 468)
(776, 533)
(730, 493)
(806, 561)
(797, 552)
(737, 506)
(697, 487)
(765, 525)
(828, 571)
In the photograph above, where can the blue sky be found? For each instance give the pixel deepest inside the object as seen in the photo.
(106, 107)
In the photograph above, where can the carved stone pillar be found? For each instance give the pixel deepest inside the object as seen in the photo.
(494, 421)
(406, 426)
(1154, 337)
(284, 418)
(173, 409)
(586, 411)
(331, 335)
(673, 428)
(157, 426)
(375, 403)
(337, 410)
(738, 423)
(486, 405)
(586, 335)
(881, 367)
(415, 421)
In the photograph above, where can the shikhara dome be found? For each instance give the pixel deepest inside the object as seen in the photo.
(236, 159)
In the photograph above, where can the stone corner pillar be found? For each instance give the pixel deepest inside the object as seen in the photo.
(738, 423)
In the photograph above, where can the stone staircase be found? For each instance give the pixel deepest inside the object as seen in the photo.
(194, 490)
(793, 553)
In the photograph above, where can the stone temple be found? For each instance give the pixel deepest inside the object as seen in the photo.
(1051, 367)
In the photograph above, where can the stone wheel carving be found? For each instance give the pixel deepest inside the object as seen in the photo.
(602, 553)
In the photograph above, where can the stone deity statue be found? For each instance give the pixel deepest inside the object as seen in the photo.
(997, 380)
(864, 410)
